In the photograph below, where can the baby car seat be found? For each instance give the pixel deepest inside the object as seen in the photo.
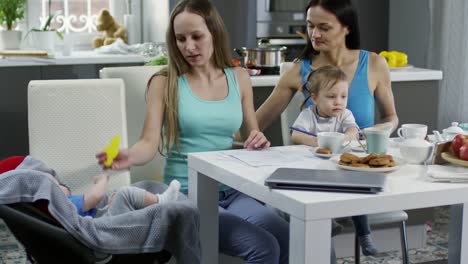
(46, 241)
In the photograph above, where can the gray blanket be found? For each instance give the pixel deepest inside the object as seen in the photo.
(172, 226)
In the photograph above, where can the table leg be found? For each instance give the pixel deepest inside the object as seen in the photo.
(458, 234)
(310, 241)
(203, 191)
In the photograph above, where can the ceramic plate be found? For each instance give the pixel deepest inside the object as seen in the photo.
(454, 160)
(398, 164)
(325, 156)
(356, 147)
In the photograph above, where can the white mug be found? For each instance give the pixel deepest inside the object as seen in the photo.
(331, 140)
(408, 131)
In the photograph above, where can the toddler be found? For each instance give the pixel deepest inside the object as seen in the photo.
(328, 89)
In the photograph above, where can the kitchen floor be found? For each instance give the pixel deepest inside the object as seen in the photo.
(435, 252)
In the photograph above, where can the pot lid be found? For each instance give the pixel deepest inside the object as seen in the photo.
(266, 48)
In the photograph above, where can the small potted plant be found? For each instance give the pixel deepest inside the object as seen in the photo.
(10, 12)
(44, 37)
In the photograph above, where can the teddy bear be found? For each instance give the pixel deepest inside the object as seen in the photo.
(112, 30)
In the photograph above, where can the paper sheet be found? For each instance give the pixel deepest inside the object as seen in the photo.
(259, 158)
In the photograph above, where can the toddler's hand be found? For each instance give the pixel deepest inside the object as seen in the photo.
(256, 140)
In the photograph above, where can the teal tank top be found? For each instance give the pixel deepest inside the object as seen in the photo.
(203, 126)
(360, 100)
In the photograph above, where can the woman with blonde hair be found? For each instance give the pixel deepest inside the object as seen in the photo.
(197, 104)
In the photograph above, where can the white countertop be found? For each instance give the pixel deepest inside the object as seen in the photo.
(77, 57)
(90, 57)
(401, 75)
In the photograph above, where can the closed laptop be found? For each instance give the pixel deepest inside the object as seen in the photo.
(326, 180)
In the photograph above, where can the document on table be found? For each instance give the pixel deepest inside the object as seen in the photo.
(258, 158)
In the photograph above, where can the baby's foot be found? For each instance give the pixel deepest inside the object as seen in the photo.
(336, 228)
(171, 193)
(367, 245)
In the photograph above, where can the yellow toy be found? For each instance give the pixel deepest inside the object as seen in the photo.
(395, 58)
(112, 150)
(112, 30)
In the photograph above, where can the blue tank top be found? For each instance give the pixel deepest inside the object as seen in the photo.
(360, 101)
(203, 126)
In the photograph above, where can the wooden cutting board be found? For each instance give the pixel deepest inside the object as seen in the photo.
(28, 53)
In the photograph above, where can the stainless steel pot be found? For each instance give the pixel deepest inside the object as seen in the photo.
(263, 56)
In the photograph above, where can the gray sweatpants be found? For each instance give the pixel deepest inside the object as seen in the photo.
(126, 199)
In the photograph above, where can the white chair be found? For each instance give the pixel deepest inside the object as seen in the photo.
(288, 117)
(70, 121)
(136, 79)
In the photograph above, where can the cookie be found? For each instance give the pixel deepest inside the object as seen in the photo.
(379, 162)
(386, 156)
(369, 157)
(349, 158)
(391, 164)
(323, 151)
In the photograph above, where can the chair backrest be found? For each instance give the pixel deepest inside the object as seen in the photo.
(292, 111)
(136, 79)
(70, 121)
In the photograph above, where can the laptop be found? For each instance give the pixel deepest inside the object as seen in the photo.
(326, 180)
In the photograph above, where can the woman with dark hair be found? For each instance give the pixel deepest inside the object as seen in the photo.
(333, 39)
(198, 103)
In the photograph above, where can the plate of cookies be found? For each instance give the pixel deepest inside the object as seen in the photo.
(367, 162)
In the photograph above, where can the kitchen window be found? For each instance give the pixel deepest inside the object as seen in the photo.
(74, 17)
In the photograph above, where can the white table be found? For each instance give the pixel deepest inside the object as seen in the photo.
(311, 212)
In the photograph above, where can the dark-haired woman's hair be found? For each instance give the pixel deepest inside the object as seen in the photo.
(346, 15)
